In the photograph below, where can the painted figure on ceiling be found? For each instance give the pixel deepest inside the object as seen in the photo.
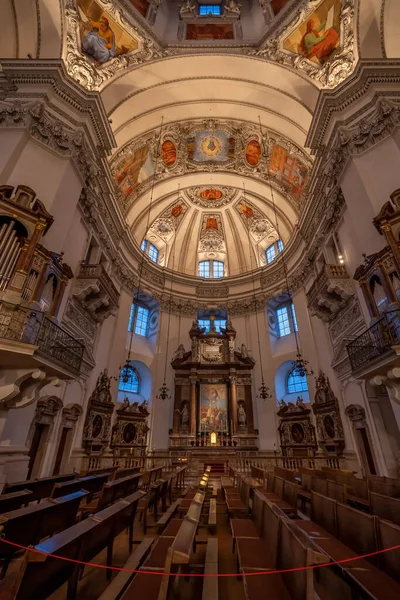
(99, 41)
(315, 43)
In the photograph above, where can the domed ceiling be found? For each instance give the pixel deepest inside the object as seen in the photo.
(211, 189)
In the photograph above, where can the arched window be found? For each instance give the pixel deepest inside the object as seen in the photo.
(273, 250)
(211, 268)
(150, 250)
(132, 385)
(139, 319)
(296, 383)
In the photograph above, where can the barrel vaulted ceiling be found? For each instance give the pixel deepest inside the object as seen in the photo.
(215, 127)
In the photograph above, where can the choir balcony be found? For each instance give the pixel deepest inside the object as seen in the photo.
(377, 348)
(38, 341)
(330, 292)
(96, 292)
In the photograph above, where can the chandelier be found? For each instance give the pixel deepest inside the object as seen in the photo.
(264, 392)
(300, 364)
(126, 372)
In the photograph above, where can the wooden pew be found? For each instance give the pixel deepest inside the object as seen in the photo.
(113, 491)
(27, 526)
(283, 493)
(344, 532)
(212, 516)
(167, 516)
(109, 470)
(92, 484)
(285, 474)
(125, 472)
(14, 501)
(40, 575)
(210, 584)
(40, 488)
(117, 587)
(149, 502)
(385, 507)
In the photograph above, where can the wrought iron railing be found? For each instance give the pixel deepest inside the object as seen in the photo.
(375, 341)
(22, 324)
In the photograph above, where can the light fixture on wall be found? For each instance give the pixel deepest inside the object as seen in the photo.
(163, 392)
(126, 372)
(300, 364)
(264, 392)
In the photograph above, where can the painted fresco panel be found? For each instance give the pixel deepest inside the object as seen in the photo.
(213, 407)
(210, 31)
(253, 152)
(101, 37)
(288, 170)
(214, 146)
(318, 37)
(141, 6)
(168, 153)
(128, 172)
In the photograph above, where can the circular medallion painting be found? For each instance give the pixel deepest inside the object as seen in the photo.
(297, 432)
(329, 426)
(97, 426)
(253, 153)
(168, 153)
(129, 433)
(211, 146)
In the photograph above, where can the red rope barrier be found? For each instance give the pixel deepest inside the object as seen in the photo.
(252, 573)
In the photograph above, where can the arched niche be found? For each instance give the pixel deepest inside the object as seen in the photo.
(38, 440)
(357, 417)
(281, 391)
(145, 382)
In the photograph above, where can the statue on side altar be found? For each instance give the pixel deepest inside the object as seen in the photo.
(103, 385)
(184, 413)
(180, 352)
(242, 419)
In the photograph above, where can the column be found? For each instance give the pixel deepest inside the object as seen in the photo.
(232, 380)
(193, 380)
(177, 406)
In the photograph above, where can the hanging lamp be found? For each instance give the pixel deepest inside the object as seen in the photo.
(126, 372)
(300, 364)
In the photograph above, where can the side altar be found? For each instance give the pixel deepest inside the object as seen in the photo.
(213, 403)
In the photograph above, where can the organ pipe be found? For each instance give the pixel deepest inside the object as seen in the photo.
(6, 251)
(9, 267)
(5, 233)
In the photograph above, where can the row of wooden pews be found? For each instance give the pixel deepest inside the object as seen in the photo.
(170, 553)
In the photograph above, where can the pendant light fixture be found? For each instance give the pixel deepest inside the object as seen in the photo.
(164, 392)
(126, 372)
(300, 364)
(264, 392)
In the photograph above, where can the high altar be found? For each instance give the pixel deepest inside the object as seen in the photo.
(213, 405)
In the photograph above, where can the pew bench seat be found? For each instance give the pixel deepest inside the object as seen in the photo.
(167, 516)
(15, 500)
(285, 507)
(212, 516)
(210, 584)
(158, 554)
(144, 586)
(242, 528)
(117, 587)
(259, 586)
(172, 528)
(253, 553)
(356, 501)
(375, 581)
(235, 507)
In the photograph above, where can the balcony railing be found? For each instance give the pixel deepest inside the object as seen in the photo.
(375, 341)
(22, 324)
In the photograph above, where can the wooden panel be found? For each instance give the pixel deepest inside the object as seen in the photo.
(385, 507)
(336, 491)
(320, 486)
(356, 529)
(389, 534)
(323, 512)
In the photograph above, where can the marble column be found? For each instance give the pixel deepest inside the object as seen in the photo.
(193, 380)
(232, 380)
(391, 240)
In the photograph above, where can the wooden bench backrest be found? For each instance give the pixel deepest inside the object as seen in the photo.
(270, 482)
(385, 507)
(290, 493)
(389, 535)
(385, 489)
(336, 491)
(258, 511)
(183, 543)
(285, 474)
(297, 550)
(323, 512)
(272, 518)
(62, 515)
(40, 488)
(320, 486)
(257, 473)
(15, 500)
(356, 529)
(306, 481)
(278, 486)
(210, 584)
(357, 487)
(120, 473)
